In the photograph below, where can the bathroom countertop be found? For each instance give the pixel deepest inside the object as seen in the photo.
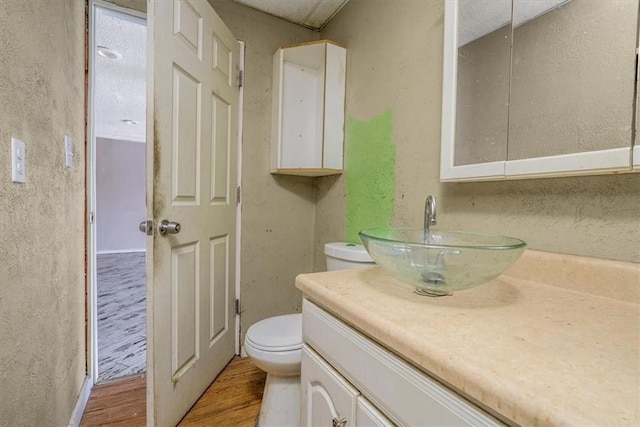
(555, 340)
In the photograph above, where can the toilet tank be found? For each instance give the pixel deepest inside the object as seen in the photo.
(346, 256)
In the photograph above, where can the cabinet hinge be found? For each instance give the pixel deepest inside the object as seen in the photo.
(92, 217)
(237, 306)
(240, 78)
(238, 194)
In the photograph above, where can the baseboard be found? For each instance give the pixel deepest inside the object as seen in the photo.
(81, 403)
(120, 251)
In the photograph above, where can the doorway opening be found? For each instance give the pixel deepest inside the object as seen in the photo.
(117, 124)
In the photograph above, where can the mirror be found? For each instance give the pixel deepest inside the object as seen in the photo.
(538, 88)
(482, 98)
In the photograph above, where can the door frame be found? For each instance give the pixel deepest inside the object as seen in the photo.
(91, 196)
(239, 193)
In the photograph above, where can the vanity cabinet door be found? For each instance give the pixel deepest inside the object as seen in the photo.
(327, 398)
(368, 416)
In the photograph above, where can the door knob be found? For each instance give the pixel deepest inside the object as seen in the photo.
(167, 227)
(146, 227)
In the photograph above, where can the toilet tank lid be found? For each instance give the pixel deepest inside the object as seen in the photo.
(347, 251)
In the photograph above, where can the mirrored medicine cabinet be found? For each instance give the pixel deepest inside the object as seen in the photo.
(539, 88)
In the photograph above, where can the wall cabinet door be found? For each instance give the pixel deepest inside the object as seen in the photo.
(327, 398)
(538, 89)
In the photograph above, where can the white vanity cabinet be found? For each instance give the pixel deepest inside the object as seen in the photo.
(349, 380)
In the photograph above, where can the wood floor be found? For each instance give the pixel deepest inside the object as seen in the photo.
(119, 403)
(232, 400)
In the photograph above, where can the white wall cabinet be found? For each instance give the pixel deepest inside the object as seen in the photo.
(307, 125)
(504, 117)
(367, 385)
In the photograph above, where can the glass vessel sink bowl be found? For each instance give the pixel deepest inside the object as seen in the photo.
(440, 262)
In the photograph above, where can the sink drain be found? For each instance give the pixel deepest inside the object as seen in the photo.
(430, 293)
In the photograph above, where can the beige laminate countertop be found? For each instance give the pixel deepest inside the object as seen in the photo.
(537, 353)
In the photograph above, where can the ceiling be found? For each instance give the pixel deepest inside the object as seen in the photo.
(313, 14)
(477, 18)
(120, 88)
(120, 84)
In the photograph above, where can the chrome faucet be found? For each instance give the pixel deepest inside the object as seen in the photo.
(429, 216)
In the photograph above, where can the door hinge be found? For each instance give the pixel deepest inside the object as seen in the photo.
(237, 306)
(238, 194)
(92, 217)
(240, 78)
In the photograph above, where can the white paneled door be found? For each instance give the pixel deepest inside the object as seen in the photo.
(192, 162)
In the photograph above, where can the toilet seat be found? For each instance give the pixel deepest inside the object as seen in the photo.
(276, 334)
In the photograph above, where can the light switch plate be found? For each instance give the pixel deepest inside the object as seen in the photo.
(18, 161)
(68, 151)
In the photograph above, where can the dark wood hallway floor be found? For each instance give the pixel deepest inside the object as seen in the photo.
(232, 400)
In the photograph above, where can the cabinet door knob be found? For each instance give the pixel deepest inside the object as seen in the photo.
(339, 422)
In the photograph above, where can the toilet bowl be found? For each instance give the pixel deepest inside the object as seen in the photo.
(275, 346)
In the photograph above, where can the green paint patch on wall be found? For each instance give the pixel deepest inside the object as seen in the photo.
(370, 177)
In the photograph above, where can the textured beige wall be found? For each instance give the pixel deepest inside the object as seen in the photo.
(277, 211)
(42, 335)
(395, 62)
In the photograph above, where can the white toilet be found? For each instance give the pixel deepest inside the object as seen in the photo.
(275, 346)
